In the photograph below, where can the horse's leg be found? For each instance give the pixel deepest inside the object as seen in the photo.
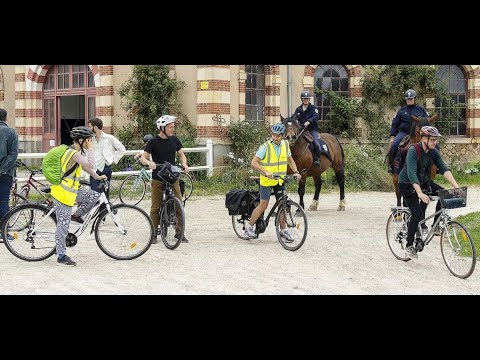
(301, 191)
(397, 191)
(318, 187)
(340, 174)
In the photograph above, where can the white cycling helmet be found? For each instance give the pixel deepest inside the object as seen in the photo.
(165, 120)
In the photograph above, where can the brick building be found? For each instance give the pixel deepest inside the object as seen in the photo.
(47, 100)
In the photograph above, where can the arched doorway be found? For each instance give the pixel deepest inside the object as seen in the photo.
(68, 101)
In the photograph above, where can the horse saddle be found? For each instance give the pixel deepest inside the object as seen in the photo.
(323, 147)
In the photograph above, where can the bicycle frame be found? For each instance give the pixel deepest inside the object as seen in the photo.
(444, 217)
(31, 182)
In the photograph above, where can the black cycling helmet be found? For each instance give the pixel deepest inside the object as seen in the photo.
(410, 94)
(305, 94)
(429, 131)
(81, 132)
(147, 138)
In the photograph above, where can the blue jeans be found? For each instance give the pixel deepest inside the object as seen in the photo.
(94, 183)
(5, 187)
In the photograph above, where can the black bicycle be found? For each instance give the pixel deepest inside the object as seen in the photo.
(289, 216)
(171, 227)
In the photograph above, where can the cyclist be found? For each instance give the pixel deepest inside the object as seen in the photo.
(146, 139)
(161, 148)
(65, 194)
(271, 159)
(415, 177)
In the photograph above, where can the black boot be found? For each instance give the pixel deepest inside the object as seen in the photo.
(316, 150)
(390, 161)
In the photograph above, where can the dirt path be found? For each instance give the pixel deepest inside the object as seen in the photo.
(345, 253)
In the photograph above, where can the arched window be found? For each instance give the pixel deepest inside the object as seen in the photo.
(329, 78)
(255, 93)
(452, 79)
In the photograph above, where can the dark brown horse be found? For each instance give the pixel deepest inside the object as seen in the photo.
(303, 157)
(418, 123)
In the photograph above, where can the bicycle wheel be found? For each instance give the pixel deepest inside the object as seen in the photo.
(171, 237)
(458, 249)
(132, 190)
(14, 201)
(397, 229)
(297, 226)
(239, 222)
(124, 234)
(33, 233)
(187, 186)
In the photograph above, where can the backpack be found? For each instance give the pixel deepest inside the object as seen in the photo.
(51, 165)
(399, 161)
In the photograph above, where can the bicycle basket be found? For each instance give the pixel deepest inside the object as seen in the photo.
(453, 198)
(169, 173)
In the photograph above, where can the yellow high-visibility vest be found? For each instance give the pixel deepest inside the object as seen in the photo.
(66, 191)
(273, 164)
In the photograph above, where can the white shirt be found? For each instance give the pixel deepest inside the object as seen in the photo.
(108, 150)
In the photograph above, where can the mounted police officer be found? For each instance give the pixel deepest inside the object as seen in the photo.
(307, 115)
(402, 124)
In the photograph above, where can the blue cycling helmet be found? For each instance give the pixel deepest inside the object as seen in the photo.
(278, 129)
(410, 94)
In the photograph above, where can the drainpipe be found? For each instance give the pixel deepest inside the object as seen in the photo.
(289, 89)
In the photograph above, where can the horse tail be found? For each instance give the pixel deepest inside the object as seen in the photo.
(341, 148)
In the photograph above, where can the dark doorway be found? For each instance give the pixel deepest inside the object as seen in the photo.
(72, 114)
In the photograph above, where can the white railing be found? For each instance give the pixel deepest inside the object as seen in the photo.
(208, 149)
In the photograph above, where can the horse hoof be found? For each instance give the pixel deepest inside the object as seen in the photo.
(341, 208)
(298, 213)
(313, 206)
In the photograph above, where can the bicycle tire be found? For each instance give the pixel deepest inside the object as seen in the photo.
(168, 223)
(27, 246)
(188, 184)
(297, 224)
(132, 190)
(463, 250)
(129, 245)
(14, 201)
(396, 231)
(239, 222)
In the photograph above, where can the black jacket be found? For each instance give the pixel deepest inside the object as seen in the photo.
(310, 114)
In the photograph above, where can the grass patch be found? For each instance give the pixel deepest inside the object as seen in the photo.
(472, 223)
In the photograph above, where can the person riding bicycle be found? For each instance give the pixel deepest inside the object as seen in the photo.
(67, 192)
(271, 159)
(415, 178)
(163, 148)
(307, 115)
(146, 139)
(402, 124)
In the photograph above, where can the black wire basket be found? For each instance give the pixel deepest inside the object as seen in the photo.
(453, 198)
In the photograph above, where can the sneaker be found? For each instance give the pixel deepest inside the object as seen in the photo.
(9, 237)
(317, 163)
(66, 261)
(77, 218)
(184, 239)
(424, 230)
(437, 232)
(411, 252)
(250, 232)
(285, 235)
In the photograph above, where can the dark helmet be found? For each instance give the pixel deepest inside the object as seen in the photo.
(305, 94)
(147, 138)
(410, 94)
(81, 132)
(278, 129)
(429, 131)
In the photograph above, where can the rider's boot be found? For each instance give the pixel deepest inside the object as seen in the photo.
(390, 161)
(316, 151)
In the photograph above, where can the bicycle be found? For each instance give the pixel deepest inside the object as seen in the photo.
(171, 235)
(296, 219)
(456, 244)
(122, 231)
(22, 197)
(134, 187)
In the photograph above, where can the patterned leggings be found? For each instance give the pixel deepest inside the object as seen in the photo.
(87, 198)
